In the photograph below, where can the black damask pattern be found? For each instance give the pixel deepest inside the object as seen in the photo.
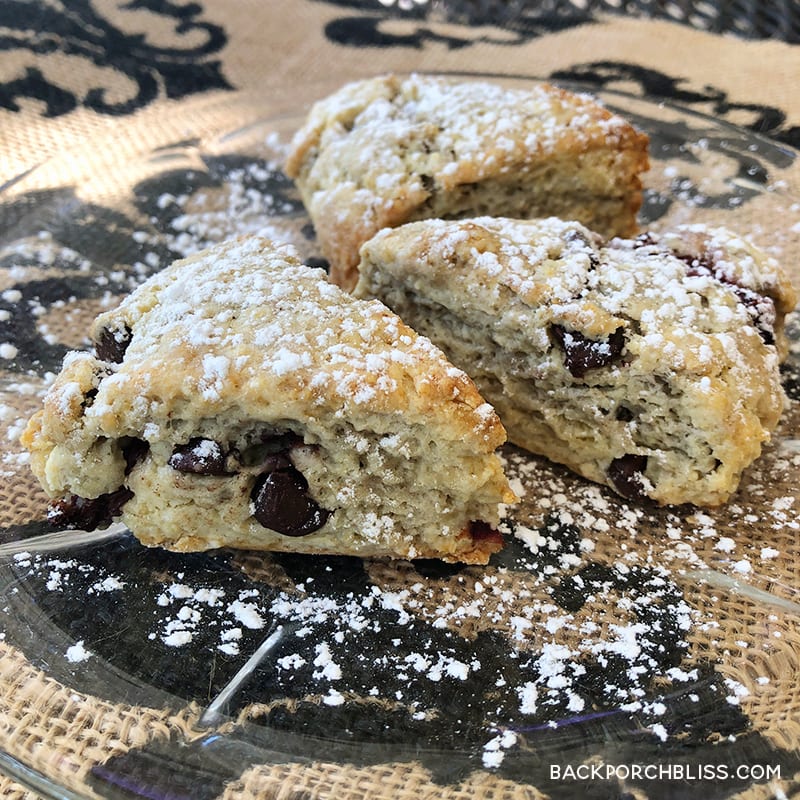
(355, 732)
(76, 28)
(512, 23)
(749, 19)
(764, 119)
(517, 23)
(448, 743)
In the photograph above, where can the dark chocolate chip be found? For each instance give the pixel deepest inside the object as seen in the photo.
(318, 263)
(761, 310)
(478, 529)
(576, 237)
(626, 474)
(645, 239)
(199, 457)
(111, 345)
(483, 532)
(582, 354)
(760, 307)
(116, 500)
(88, 513)
(700, 264)
(133, 451)
(91, 394)
(624, 414)
(269, 453)
(281, 503)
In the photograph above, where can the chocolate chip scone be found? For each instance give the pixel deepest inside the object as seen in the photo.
(647, 364)
(389, 150)
(239, 399)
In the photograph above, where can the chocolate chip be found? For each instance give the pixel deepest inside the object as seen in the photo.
(626, 474)
(111, 345)
(90, 395)
(761, 310)
(199, 457)
(760, 307)
(645, 239)
(116, 500)
(86, 514)
(269, 453)
(133, 451)
(281, 503)
(483, 532)
(701, 264)
(578, 238)
(624, 414)
(318, 263)
(582, 354)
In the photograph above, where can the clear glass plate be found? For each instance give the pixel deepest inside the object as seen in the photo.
(605, 633)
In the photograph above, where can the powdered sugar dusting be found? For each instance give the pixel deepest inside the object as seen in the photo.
(452, 131)
(196, 619)
(332, 349)
(77, 653)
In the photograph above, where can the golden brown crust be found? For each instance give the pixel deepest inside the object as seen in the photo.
(242, 345)
(650, 365)
(387, 150)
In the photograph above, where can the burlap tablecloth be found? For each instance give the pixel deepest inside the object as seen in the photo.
(87, 88)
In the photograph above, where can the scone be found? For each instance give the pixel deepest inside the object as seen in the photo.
(389, 150)
(238, 399)
(649, 365)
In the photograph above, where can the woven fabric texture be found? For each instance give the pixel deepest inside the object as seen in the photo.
(109, 112)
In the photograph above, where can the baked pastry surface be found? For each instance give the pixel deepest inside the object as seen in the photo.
(388, 150)
(647, 364)
(239, 399)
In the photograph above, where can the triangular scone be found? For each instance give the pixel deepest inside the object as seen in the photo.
(650, 365)
(239, 399)
(388, 150)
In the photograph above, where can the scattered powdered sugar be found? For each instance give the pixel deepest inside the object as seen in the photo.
(247, 614)
(626, 608)
(77, 653)
(566, 619)
(742, 566)
(493, 749)
(737, 691)
(726, 544)
(243, 205)
(327, 668)
(660, 731)
(176, 638)
(333, 698)
(543, 630)
(109, 584)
